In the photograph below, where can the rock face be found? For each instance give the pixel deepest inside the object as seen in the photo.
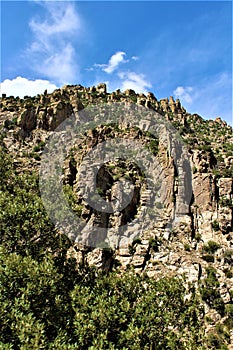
(28, 119)
(202, 234)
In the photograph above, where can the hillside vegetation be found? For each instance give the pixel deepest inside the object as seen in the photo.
(167, 290)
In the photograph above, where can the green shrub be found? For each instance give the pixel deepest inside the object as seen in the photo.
(228, 273)
(198, 237)
(208, 258)
(225, 202)
(215, 225)
(229, 310)
(228, 256)
(215, 342)
(137, 241)
(211, 247)
(36, 157)
(187, 247)
(154, 244)
(54, 304)
(194, 170)
(210, 291)
(205, 148)
(36, 149)
(130, 312)
(227, 172)
(72, 201)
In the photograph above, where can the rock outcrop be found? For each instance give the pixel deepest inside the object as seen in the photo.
(202, 234)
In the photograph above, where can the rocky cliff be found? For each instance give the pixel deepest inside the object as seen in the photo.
(201, 240)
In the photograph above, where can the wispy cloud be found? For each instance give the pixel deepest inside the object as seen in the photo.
(22, 87)
(209, 97)
(122, 79)
(183, 93)
(113, 63)
(213, 97)
(60, 19)
(52, 52)
(134, 81)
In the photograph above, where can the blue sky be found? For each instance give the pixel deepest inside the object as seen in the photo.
(183, 49)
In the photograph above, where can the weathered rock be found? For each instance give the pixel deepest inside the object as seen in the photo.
(28, 119)
(129, 92)
(101, 88)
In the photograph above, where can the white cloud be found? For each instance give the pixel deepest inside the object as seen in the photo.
(61, 19)
(51, 52)
(213, 97)
(22, 87)
(210, 97)
(113, 62)
(134, 81)
(60, 67)
(183, 93)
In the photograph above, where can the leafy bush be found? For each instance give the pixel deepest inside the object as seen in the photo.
(215, 225)
(198, 237)
(228, 256)
(72, 200)
(187, 247)
(228, 273)
(229, 310)
(211, 247)
(215, 342)
(210, 291)
(208, 258)
(225, 202)
(154, 244)
(24, 224)
(132, 312)
(227, 172)
(53, 304)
